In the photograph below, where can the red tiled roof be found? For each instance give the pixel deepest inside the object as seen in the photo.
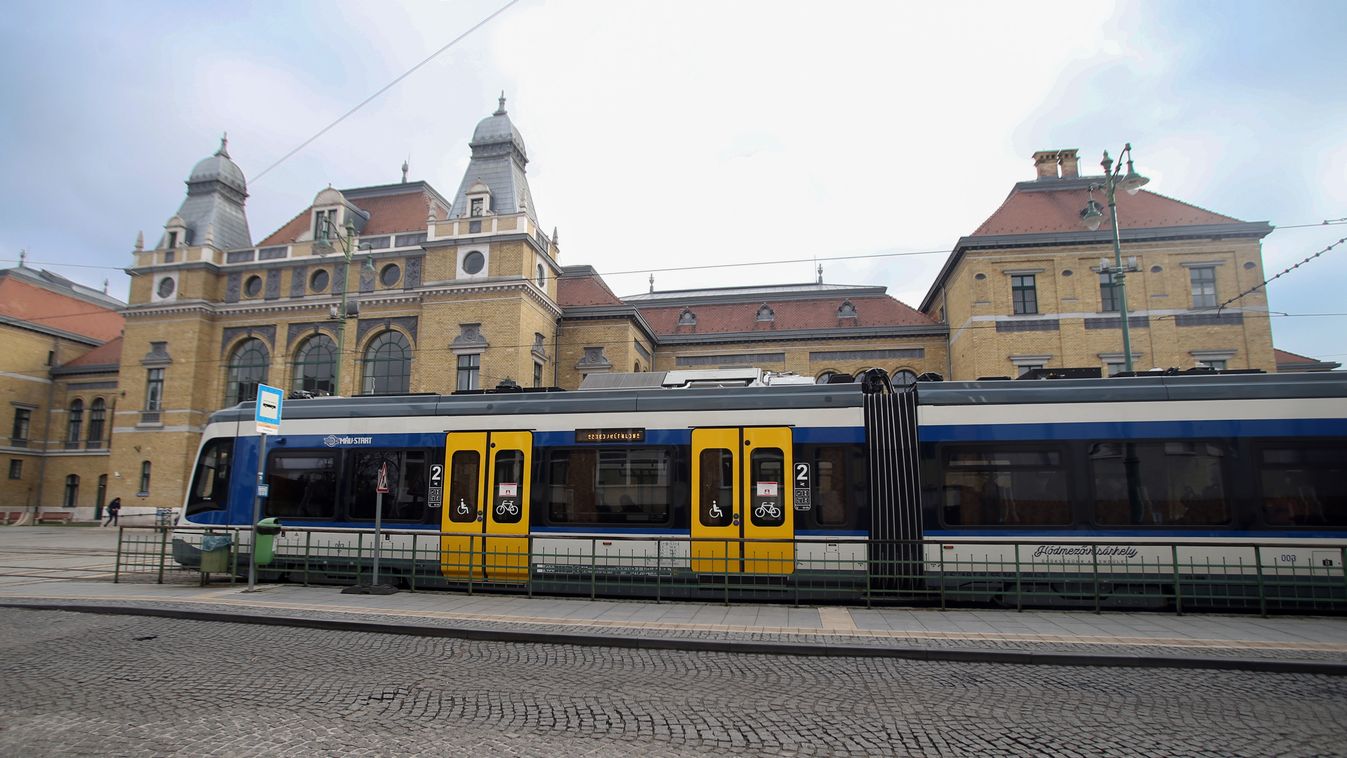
(389, 214)
(722, 318)
(107, 354)
(22, 301)
(1039, 211)
(1286, 356)
(587, 289)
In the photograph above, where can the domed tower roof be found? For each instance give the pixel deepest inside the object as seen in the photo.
(219, 168)
(216, 192)
(498, 129)
(498, 160)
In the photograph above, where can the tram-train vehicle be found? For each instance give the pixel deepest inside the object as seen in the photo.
(856, 486)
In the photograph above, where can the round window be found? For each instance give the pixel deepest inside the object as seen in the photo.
(253, 287)
(390, 274)
(318, 282)
(473, 262)
(166, 287)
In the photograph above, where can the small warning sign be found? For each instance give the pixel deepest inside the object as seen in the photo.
(768, 489)
(509, 489)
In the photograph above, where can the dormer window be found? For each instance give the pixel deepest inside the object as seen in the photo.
(324, 224)
(687, 318)
(846, 310)
(172, 240)
(478, 206)
(765, 313)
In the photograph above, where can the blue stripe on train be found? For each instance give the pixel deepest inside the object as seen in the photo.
(802, 435)
(1173, 535)
(1108, 430)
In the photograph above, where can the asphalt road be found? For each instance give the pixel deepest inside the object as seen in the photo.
(79, 684)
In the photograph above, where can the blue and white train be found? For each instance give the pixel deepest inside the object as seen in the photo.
(837, 485)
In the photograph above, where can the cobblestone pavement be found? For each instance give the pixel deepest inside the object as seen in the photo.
(82, 684)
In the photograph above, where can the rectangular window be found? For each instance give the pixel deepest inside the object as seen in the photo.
(406, 497)
(1108, 294)
(154, 389)
(610, 486)
(464, 471)
(537, 375)
(476, 207)
(1024, 368)
(767, 475)
(1177, 483)
(1024, 293)
(172, 240)
(469, 371)
(1111, 369)
(839, 490)
(1219, 364)
(1019, 486)
(144, 478)
(23, 419)
(210, 481)
(324, 224)
(302, 485)
(1203, 279)
(15, 468)
(1304, 483)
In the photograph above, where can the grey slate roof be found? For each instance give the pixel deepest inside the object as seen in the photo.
(498, 160)
(216, 191)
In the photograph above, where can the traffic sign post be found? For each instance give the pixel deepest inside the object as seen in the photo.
(381, 487)
(267, 414)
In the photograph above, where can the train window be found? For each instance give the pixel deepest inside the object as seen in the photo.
(715, 501)
(1304, 484)
(1173, 483)
(406, 498)
(626, 485)
(210, 482)
(463, 486)
(508, 487)
(302, 485)
(988, 486)
(766, 482)
(838, 492)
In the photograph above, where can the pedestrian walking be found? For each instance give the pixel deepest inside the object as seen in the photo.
(114, 508)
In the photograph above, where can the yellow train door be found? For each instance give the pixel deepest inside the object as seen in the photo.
(743, 518)
(486, 509)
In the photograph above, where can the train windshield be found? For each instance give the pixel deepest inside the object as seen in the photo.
(210, 482)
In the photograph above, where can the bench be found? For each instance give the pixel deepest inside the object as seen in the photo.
(9, 517)
(60, 517)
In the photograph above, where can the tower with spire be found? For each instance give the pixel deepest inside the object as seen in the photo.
(216, 193)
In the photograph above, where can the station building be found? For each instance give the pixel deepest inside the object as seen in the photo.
(400, 288)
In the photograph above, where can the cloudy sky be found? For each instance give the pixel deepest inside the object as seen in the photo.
(684, 134)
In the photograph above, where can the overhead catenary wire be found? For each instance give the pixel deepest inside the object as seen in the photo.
(383, 89)
(1278, 275)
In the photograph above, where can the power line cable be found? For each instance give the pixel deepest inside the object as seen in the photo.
(383, 89)
(1279, 275)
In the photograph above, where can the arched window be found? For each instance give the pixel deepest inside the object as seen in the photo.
(247, 369)
(903, 377)
(388, 365)
(100, 498)
(76, 423)
(72, 491)
(144, 478)
(98, 413)
(316, 366)
(542, 277)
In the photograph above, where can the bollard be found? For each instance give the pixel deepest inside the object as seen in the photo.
(163, 545)
(1178, 588)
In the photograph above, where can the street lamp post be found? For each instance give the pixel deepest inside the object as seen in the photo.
(349, 247)
(1130, 182)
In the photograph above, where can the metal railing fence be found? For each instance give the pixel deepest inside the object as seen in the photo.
(1179, 576)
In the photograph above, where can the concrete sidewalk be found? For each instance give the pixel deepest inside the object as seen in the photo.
(1290, 644)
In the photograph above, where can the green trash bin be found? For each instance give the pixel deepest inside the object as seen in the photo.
(267, 531)
(215, 553)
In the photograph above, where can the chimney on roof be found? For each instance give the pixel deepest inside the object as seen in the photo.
(1069, 162)
(1047, 162)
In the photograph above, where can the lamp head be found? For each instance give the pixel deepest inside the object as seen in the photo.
(1091, 216)
(1132, 182)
